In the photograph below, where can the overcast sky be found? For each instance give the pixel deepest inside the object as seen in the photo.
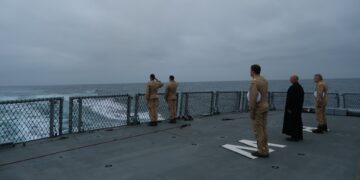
(121, 41)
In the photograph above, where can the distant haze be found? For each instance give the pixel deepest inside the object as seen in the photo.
(121, 41)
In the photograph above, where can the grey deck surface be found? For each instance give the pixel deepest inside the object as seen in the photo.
(168, 152)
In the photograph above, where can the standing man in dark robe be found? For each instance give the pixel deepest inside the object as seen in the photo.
(293, 125)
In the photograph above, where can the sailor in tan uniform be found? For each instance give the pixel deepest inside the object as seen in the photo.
(320, 95)
(259, 107)
(152, 98)
(171, 98)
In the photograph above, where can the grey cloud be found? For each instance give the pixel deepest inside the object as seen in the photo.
(67, 42)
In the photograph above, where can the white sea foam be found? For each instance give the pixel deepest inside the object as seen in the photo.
(108, 108)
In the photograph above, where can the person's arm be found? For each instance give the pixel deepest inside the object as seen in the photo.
(290, 100)
(166, 95)
(147, 93)
(159, 83)
(320, 94)
(252, 98)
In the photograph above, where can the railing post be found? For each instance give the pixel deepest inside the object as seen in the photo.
(80, 122)
(52, 116)
(241, 101)
(212, 103)
(181, 104)
(186, 104)
(216, 102)
(128, 113)
(71, 105)
(271, 101)
(177, 104)
(136, 110)
(238, 101)
(338, 100)
(344, 101)
(61, 111)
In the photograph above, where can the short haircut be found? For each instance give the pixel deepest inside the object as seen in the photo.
(171, 77)
(319, 76)
(296, 77)
(152, 76)
(256, 68)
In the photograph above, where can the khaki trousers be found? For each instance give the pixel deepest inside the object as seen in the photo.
(259, 125)
(153, 109)
(321, 115)
(172, 108)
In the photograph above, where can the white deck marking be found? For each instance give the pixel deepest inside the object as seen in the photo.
(239, 149)
(253, 143)
(309, 129)
(253, 147)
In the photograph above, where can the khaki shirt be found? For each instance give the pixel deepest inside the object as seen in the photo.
(258, 84)
(152, 89)
(321, 93)
(170, 91)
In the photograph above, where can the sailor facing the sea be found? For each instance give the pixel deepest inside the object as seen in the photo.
(259, 110)
(171, 98)
(152, 98)
(320, 94)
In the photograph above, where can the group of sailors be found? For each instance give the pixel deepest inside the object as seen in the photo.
(258, 106)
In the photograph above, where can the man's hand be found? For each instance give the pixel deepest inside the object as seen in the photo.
(289, 111)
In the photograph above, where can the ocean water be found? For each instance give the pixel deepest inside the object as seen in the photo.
(66, 91)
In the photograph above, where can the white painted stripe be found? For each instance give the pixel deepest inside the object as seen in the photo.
(254, 144)
(309, 129)
(239, 149)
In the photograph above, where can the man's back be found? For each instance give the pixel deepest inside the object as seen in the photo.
(259, 84)
(170, 91)
(152, 89)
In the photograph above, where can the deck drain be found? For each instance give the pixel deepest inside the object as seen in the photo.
(275, 167)
(301, 154)
(227, 119)
(174, 137)
(194, 144)
(108, 166)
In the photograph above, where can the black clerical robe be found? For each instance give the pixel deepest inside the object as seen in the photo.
(293, 125)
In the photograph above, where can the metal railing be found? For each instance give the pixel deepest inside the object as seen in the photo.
(197, 103)
(33, 119)
(228, 101)
(351, 101)
(141, 114)
(98, 112)
(26, 120)
(278, 100)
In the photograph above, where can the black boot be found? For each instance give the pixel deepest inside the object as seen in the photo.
(325, 128)
(152, 123)
(257, 154)
(319, 130)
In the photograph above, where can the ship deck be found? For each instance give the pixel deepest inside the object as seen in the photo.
(189, 152)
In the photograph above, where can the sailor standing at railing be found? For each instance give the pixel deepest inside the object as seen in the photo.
(171, 97)
(320, 95)
(152, 98)
(259, 107)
